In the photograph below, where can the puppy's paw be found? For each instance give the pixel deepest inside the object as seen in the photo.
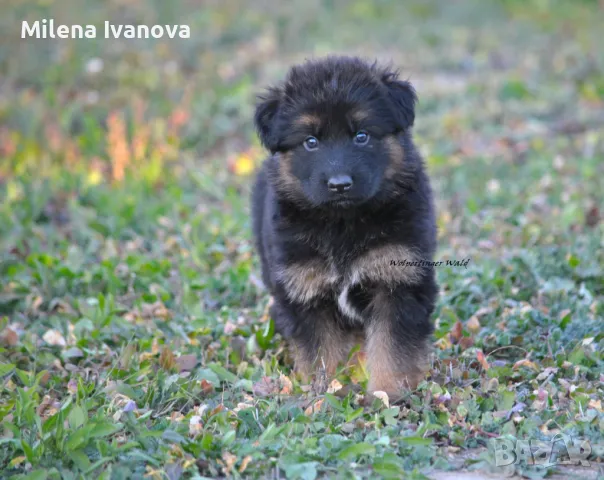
(395, 384)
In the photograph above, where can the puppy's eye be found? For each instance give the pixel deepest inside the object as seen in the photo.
(361, 138)
(311, 143)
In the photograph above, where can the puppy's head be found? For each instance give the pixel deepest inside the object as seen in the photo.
(334, 127)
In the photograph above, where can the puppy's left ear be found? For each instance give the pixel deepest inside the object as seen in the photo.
(265, 116)
(403, 98)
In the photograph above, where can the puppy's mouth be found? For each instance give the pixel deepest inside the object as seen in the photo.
(344, 202)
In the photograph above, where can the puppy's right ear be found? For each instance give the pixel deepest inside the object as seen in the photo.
(265, 116)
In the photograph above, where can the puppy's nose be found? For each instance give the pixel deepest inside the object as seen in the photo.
(339, 183)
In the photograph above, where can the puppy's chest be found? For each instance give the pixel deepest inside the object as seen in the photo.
(346, 281)
(308, 280)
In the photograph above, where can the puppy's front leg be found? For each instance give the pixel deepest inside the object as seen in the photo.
(321, 347)
(397, 340)
(317, 341)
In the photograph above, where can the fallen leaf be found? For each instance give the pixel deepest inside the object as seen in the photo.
(244, 463)
(314, 407)
(265, 386)
(482, 360)
(167, 360)
(206, 386)
(17, 461)
(47, 408)
(229, 328)
(546, 373)
(229, 462)
(73, 352)
(334, 386)
(592, 216)
(9, 337)
(466, 342)
(176, 417)
(72, 386)
(525, 363)
(383, 396)
(242, 406)
(286, 385)
(443, 343)
(186, 363)
(195, 425)
(456, 332)
(270, 386)
(54, 338)
(473, 324)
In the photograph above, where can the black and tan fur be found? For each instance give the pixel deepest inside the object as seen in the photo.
(326, 254)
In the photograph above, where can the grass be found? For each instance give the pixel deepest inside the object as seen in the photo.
(134, 336)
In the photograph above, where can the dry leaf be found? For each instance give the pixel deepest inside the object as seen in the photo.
(48, 407)
(229, 462)
(195, 425)
(242, 406)
(167, 360)
(473, 324)
(466, 342)
(456, 332)
(267, 386)
(55, 338)
(443, 343)
(264, 387)
(383, 396)
(334, 386)
(186, 363)
(206, 387)
(9, 337)
(314, 407)
(482, 360)
(217, 409)
(525, 363)
(72, 386)
(229, 328)
(176, 417)
(286, 385)
(244, 463)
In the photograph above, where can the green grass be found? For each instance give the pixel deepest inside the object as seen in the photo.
(134, 339)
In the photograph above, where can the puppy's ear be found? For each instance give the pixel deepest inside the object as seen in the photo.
(402, 98)
(265, 116)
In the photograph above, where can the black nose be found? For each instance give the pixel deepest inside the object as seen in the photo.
(339, 183)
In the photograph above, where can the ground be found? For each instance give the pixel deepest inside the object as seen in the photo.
(134, 335)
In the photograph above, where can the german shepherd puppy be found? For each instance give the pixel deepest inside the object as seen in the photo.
(344, 221)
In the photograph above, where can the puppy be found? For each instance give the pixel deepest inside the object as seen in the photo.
(343, 219)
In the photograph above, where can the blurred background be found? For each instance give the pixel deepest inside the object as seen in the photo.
(127, 275)
(493, 76)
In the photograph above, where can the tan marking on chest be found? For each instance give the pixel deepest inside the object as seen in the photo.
(376, 266)
(305, 281)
